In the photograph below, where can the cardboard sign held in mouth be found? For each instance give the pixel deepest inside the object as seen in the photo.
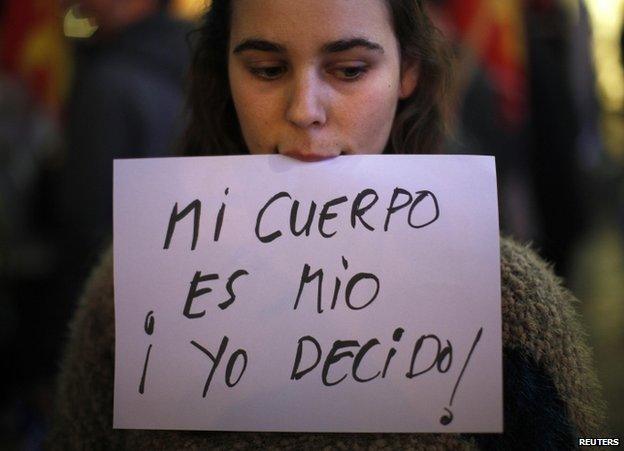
(260, 293)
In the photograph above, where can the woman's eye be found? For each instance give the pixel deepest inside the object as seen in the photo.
(268, 72)
(350, 73)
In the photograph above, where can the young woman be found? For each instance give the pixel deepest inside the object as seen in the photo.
(314, 79)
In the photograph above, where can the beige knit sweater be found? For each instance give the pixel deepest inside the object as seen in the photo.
(544, 350)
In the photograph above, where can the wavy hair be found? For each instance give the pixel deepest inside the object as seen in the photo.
(420, 121)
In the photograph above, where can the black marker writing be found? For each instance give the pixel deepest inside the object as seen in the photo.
(358, 359)
(309, 356)
(296, 372)
(357, 211)
(337, 283)
(361, 277)
(220, 218)
(142, 383)
(230, 289)
(392, 209)
(448, 418)
(148, 327)
(353, 282)
(438, 360)
(325, 215)
(195, 207)
(276, 234)
(307, 278)
(217, 359)
(195, 292)
(338, 352)
(396, 337)
(230, 367)
(300, 219)
(334, 356)
(308, 223)
(420, 196)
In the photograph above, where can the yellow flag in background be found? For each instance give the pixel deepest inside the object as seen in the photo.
(33, 49)
(190, 9)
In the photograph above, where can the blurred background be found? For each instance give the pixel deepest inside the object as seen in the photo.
(540, 85)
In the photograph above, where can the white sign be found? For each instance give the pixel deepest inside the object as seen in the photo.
(260, 293)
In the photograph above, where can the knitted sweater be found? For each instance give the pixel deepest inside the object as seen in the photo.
(551, 394)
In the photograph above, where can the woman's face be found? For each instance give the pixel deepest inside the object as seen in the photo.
(314, 79)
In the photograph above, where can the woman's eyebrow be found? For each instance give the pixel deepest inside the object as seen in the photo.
(343, 45)
(259, 44)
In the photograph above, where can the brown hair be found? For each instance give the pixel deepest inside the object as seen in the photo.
(420, 121)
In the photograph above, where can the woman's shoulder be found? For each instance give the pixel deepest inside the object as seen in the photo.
(523, 272)
(542, 329)
(95, 312)
(99, 288)
(84, 396)
(535, 304)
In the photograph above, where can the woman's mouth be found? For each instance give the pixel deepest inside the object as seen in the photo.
(309, 155)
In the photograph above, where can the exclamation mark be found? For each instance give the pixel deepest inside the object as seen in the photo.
(149, 330)
(448, 418)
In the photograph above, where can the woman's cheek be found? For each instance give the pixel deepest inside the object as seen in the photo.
(375, 117)
(255, 117)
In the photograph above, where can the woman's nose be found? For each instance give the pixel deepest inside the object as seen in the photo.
(306, 104)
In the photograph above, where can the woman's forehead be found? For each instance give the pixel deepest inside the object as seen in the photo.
(314, 23)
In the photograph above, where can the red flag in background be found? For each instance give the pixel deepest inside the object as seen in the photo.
(493, 31)
(33, 49)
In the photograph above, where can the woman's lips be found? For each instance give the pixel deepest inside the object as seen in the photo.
(309, 156)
